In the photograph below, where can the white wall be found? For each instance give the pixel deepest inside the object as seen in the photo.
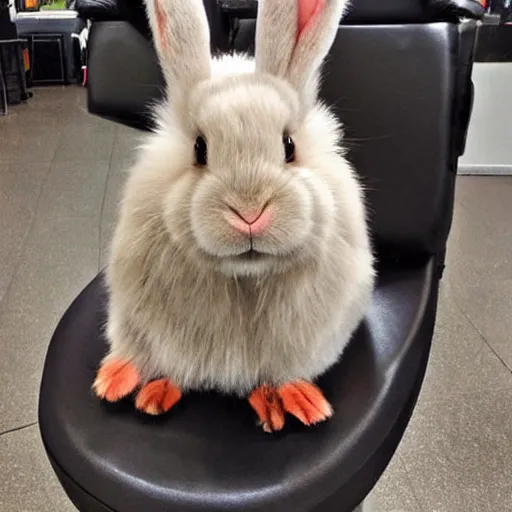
(489, 144)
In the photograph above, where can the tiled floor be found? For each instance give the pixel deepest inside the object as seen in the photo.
(60, 175)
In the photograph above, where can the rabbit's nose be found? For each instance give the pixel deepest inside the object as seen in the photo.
(250, 222)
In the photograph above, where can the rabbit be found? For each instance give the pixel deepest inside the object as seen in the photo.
(242, 260)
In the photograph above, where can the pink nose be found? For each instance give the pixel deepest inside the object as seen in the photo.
(250, 222)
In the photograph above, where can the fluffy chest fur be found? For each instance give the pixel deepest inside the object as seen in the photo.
(204, 330)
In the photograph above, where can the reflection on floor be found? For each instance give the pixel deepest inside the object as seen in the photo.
(60, 175)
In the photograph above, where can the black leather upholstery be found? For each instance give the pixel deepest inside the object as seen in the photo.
(133, 12)
(411, 11)
(361, 11)
(127, 93)
(401, 132)
(207, 454)
(103, 9)
(125, 77)
(389, 11)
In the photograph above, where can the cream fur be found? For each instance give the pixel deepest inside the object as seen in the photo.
(279, 51)
(183, 303)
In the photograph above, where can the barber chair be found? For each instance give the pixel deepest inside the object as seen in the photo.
(399, 77)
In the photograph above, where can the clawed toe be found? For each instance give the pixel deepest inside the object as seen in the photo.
(267, 404)
(157, 397)
(115, 380)
(306, 402)
(300, 399)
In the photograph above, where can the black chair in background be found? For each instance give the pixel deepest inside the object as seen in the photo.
(120, 34)
(13, 85)
(399, 77)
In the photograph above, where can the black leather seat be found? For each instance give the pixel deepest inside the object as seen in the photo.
(404, 94)
(208, 454)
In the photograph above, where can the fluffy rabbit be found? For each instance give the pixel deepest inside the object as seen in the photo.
(241, 261)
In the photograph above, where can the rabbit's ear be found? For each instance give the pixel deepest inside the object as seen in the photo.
(182, 38)
(294, 36)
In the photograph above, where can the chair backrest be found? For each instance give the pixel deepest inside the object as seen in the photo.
(134, 12)
(403, 92)
(400, 86)
(123, 71)
(395, 90)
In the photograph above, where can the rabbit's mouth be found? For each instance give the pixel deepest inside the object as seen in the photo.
(250, 263)
(251, 255)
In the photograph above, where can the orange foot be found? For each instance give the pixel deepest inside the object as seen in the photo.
(300, 399)
(268, 406)
(157, 397)
(116, 379)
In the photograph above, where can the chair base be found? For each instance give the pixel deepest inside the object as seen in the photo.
(85, 502)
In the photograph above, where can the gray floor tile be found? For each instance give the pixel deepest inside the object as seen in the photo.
(127, 141)
(393, 492)
(27, 482)
(61, 257)
(118, 174)
(462, 368)
(86, 139)
(20, 188)
(81, 117)
(54, 108)
(74, 189)
(460, 360)
(36, 143)
(488, 305)
(457, 453)
(476, 252)
(490, 198)
(58, 96)
(20, 183)
(13, 231)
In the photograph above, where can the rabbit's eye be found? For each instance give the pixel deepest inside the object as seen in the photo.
(289, 149)
(201, 151)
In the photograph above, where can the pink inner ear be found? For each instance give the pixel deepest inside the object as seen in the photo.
(161, 21)
(309, 10)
